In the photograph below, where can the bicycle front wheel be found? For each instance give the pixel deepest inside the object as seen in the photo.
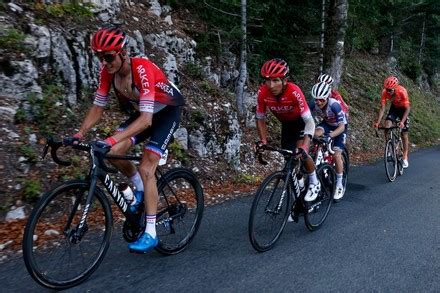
(399, 156)
(58, 255)
(269, 212)
(318, 209)
(390, 161)
(180, 210)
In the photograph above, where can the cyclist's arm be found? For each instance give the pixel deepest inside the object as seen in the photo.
(262, 130)
(340, 118)
(92, 117)
(137, 126)
(380, 114)
(405, 114)
(340, 129)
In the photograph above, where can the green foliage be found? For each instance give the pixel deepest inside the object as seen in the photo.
(194, 70)
(408, 60)
(80, 11)
(29, 152)
(31, 189)
(244, 178)
(178, 153)
(50, 113)
(12, 40)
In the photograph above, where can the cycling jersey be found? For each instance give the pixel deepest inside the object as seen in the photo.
(332, 114)
(399, 98)
(337, 96)
(152, 90)
(290, 106)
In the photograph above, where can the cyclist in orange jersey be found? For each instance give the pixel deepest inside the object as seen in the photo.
(400, 108)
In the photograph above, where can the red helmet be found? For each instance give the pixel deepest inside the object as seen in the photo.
(108, 39)
(274, 68)
(390, 82)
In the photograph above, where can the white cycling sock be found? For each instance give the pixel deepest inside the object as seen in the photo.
(312, 178)
(150, 228)
(137, 181)
(338, 180)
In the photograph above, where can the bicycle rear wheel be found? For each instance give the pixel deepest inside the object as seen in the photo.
(269, 212)
(390, 161)
(56, 256)
(318, 210)
(180, 210)
(399, 155)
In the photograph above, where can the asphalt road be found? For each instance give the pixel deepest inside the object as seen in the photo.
(382, 237)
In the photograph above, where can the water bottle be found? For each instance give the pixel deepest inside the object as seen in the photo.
(163, 158)
(126, 192)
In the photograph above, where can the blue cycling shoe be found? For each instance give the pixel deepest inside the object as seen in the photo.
(139, 200)
(145, 243)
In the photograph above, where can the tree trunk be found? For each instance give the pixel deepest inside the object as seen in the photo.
(243, 67)
(334, 58)
(322, 39)
(422, 40)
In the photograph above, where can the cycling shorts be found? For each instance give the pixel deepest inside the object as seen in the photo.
(291, 132)
(338, 141)
(165, 123)
(395, 113)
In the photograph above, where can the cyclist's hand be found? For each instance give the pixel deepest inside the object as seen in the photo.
(327, 138)
(376, 125)
(401, 124)
(73, 140)
(301, 153)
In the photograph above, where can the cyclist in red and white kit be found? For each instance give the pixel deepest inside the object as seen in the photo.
(400, 108)
(153, 103)
(334, 92)
(287, 102)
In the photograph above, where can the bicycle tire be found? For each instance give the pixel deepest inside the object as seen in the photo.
(399, 156)
(390, 161)
(44, 237)
(268, 197)
(317, 211)
(180, 210)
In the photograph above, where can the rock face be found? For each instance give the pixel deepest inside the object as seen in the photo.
(63, 53)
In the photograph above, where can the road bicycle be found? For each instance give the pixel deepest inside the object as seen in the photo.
(393, 152)
(322, 152)
(280, 194)
(69, 230)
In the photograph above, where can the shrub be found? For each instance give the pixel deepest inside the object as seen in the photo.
(32, 189)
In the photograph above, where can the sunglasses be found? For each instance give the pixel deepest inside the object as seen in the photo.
(319, 100)
(390, 90)
(109, 58)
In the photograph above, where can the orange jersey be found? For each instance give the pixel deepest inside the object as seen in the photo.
(399, 98)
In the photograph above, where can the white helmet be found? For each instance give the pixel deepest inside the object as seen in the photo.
(326, 78)
(321, 90)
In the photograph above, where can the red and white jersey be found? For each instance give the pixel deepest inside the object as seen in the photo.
(399, 98)
(149, 84)
(337, 96)
(291, 105)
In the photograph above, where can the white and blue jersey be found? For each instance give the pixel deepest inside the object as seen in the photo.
(333, 114)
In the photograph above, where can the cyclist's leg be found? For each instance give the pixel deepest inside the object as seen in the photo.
(121, 148)
(319, 130)
(390, 119)
(164, 125)
(405, 138)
